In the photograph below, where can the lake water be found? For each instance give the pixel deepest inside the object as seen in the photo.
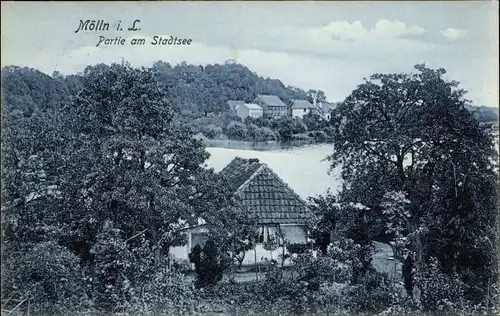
(302, 168)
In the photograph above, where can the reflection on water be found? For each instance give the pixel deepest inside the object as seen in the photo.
(246, 145)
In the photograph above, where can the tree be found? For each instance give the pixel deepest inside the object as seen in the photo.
(343, 221)
(313, 121)
(316, 96)
(285, 127)
(232, 230)
(394, 207)
(147, 172)
(236, 130)
(412, 133)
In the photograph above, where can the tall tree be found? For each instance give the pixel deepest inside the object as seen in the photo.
(147, 172)
(412, 133)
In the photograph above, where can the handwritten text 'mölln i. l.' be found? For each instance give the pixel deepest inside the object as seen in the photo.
(101, 25)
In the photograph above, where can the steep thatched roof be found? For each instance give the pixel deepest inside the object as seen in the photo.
(264, 194)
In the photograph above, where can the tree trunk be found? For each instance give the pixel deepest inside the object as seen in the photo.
(154, 231)
(256, 270)
(154, 235)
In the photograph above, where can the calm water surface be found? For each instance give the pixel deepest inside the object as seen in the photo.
(303, 168)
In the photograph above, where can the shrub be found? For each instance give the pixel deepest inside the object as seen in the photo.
(301, 137)
(439, 291)
(46, 274)
(181, 266)
(210, 271)
(265, 134)
(211, 131)
(111, 270)
(167, 293)
(298, 248)
(373, 294)
(298, 126)
(236, 130)
(319, 136)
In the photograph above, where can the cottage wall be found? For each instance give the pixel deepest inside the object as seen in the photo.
(255, 113)
(293, 234)
(242, 111)
(299, 112)
(182, 252)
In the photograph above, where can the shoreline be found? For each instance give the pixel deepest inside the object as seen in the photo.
(259, 146)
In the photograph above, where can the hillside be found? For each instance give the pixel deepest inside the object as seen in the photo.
(192, 89)
(198, 94)
(484, 113)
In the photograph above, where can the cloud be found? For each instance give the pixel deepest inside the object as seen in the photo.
(348, 40)
(355, 31)
(453, 33)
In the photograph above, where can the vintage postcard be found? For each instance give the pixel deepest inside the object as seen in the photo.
(250, 158)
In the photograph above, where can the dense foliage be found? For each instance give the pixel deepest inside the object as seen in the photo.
(419, 161)
(101, 182)
(101, 171)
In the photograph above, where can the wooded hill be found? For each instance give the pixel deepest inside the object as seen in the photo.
(199, 94)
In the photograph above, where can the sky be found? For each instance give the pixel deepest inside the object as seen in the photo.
(329, 46)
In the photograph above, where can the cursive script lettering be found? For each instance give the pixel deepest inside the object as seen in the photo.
(133, 28)
(158, 40)
(92, 25)
(111, 41)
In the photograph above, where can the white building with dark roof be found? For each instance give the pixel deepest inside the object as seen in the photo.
(271, 105)
(249, 109)
(303, 107)
(327, 108)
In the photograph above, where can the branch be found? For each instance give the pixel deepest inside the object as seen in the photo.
(141, 232)
(12, 310)
(378, 154)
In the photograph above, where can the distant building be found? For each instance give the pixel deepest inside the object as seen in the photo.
(271, 105)
(303, 107)
(234, 104)
(249, 109)
(327, 108)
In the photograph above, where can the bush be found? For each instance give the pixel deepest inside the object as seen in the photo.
(46, 274)
(165, 293)
(181, 266)
(319, 136)
(236, 130)
(211, 131)
(440, 291)
(316, 271)
(210, 268)
(298, 126)
(265, 134)
(373, 294)
(298, 248)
